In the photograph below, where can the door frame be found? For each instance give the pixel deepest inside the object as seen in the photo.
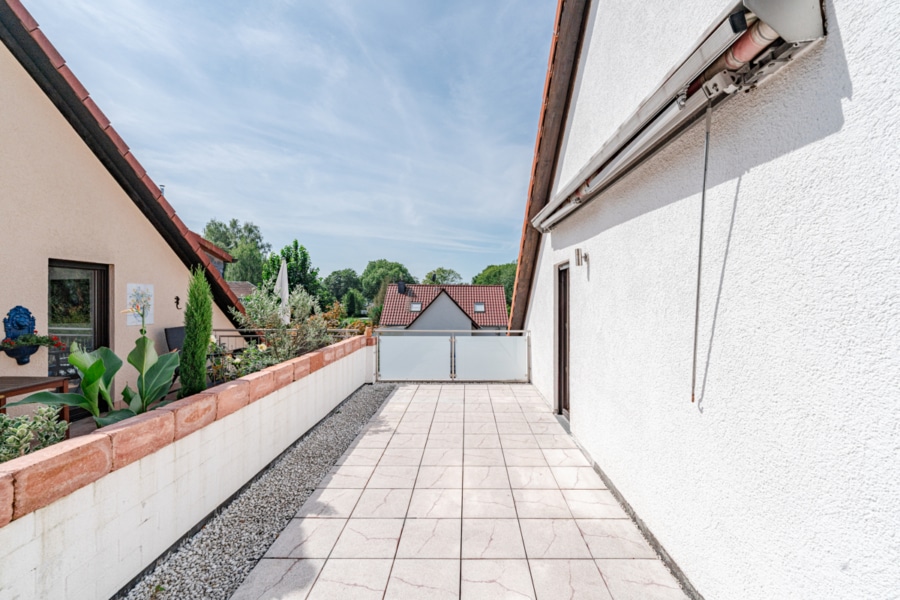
(102, 330)
(563, 338)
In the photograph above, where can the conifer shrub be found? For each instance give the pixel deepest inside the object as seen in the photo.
(197, 333)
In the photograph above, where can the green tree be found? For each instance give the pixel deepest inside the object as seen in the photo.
(353, 302)
(244, 241)
(247, 265)
(504, 275)
(378, 271)
(341, 282)
(300, 271)
(198, 313)
(442, 276)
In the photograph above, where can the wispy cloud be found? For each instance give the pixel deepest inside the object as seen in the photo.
(364, 129)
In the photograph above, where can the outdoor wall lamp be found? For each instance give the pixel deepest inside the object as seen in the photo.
(581, 257)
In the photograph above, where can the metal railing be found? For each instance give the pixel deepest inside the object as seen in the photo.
(453, 355)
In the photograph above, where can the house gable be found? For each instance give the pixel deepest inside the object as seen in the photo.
(443, 314)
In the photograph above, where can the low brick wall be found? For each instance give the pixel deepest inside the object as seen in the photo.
(82, 518)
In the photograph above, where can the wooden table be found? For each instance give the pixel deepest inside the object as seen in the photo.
(16, 386)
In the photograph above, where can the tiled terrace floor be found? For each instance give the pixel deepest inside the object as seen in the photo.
(461, 491)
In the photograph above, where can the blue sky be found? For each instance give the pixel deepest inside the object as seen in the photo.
(364, 129)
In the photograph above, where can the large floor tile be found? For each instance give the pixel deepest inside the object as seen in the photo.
(518, 440)
(535, 478)
(401, 457)
(386, 476)
(430, 538)
(286, 579)
(330, 503)
(614, 538)
(347, 477)
(565, 457)
(368, 538)
(518, 427)
(307, 538)
(447, 427)
(568, 579)
(443, 457)
(490, 579)
(485, 478)
(351, 580)
(541, 504)
(444, 440)
(361, 457)
(524, 457)
(639, 579)
(408, 440)
(439, 477)
(381, 503)
(488, 504)
(492, 538)
(482, 440)
(555, 441)
(481, 427)
(553, 538)
(578, 478)
(435, 504)
(419, 579)
(483, 457)
(593, 504)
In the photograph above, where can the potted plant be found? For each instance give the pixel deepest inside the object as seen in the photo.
(22, 339)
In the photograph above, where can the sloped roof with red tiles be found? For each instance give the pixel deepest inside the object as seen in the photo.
(20, 33)
(396, 306)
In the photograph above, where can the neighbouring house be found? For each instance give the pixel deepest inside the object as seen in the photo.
(444, 307)
(241, 289)
(217, 256)
(84, 226)
(744, 401)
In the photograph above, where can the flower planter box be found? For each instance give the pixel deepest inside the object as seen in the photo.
(84, 517)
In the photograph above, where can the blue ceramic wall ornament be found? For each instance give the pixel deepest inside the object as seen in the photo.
(18, 322)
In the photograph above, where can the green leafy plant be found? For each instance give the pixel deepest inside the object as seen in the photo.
(269, 340)
(155, 375)
(97, 370)
(28, 433)
(197, 330)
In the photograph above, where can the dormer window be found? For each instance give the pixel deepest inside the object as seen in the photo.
(479, 307)
(415, 307)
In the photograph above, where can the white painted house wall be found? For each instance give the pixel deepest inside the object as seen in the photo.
(782, 480)
(442, 314)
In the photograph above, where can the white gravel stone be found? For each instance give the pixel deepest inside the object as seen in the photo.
(213, 563)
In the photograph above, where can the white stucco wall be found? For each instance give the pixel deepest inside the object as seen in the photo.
(781, 481)
(92, 542)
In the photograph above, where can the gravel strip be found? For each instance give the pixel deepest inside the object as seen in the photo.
(214, 562)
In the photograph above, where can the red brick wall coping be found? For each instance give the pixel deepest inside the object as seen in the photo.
(36, 480)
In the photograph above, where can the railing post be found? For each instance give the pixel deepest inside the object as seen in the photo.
(452, 356)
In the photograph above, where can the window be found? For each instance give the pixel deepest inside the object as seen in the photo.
(479, 307)
(415, 307)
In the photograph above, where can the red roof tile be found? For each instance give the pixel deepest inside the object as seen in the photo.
(396, 306)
